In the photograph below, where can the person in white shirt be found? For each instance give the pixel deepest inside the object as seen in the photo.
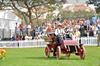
(59, 30)
(28, 37)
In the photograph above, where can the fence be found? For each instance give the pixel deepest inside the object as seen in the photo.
(88, 41)
(23, 44)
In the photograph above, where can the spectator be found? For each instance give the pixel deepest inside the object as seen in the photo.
(33, 34)
(28, 37)
(91, 33)
(98, 37)
(13, 38)
(76, 33)
(94, 19)
(49, 28)
(28, 29)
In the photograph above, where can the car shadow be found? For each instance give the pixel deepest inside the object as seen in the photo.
(51, 58)
(42, 58)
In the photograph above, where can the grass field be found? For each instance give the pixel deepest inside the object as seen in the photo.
(36, 57)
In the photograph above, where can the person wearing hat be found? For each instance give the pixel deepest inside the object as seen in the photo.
(59, 31)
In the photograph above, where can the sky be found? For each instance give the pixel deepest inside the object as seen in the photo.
(76, 1)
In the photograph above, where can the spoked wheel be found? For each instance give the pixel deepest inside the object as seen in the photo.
(47, 51)
(68, 54)
(58, 52)
(82, 54)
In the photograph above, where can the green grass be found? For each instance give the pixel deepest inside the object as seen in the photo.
(36, 57)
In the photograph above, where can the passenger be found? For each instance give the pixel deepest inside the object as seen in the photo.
(67, 36)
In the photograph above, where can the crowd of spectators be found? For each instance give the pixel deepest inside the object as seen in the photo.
(80, 27)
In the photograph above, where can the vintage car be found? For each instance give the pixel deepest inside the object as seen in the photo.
(67, 47)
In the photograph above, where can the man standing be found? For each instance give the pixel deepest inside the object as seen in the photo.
(98, 36)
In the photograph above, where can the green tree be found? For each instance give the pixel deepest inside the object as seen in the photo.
(31, 6)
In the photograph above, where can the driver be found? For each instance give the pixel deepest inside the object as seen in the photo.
(59, 31)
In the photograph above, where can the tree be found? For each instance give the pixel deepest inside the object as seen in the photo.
(26, 8)
(73, 15)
